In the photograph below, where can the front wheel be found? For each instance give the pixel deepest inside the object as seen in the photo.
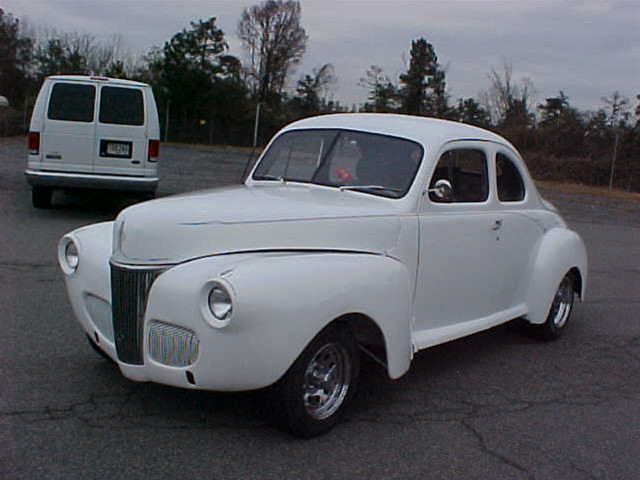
(98, 350)
(310, 398)
(560, 311)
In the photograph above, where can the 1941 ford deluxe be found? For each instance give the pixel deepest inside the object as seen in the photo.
(353, 234)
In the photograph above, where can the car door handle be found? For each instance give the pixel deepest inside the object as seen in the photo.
(497, 224)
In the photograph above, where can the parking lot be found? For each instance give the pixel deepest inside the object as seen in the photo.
(499, 404)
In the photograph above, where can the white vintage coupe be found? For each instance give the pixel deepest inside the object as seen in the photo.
(353, 234)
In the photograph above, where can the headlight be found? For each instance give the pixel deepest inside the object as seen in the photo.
(68, 254)
(217, 303)
(71, 255)
(220, 302)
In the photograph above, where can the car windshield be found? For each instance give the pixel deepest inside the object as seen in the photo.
(351, 160)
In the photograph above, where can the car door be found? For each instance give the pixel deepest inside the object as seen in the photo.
(68, 133)
(520, 230)
(121, 137)
(457, 278)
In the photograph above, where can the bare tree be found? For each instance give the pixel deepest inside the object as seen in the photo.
(383, 93)
(80, 53)
(275, 42)
(617, 113)
(508, 101)
(312, 88)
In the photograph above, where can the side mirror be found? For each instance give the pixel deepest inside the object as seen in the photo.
(442, 189)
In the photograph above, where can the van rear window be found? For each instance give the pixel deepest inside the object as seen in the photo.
(72, 102)
(121, 106)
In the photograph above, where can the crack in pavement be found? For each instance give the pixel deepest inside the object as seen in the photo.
(131, 410)
(484, 447)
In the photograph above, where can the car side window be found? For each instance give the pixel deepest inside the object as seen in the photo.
(466, 170)
(509, 180)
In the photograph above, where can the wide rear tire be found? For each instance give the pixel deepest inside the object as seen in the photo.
(310, 398)
(560, 310)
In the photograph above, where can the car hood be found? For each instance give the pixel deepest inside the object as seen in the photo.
(255, 218)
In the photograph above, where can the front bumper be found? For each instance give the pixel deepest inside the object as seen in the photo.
(39, 178)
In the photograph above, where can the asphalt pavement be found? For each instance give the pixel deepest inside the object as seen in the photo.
(496, 405)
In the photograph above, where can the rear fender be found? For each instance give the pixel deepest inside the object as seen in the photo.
(559, 251)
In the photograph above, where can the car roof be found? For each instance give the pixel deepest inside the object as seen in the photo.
(97, 79)
(428, 131)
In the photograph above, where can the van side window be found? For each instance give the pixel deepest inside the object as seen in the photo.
(466, 170)
(510, 184)
(121, 106)
(72, 102)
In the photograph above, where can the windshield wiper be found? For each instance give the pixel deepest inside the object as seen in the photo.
(269, 177)
(369, 187)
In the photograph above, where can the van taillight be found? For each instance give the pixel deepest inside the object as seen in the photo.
(154, 150)
(34, 143)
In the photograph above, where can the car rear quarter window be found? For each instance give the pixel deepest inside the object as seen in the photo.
(509, 180)
(72, 102)
(466, 170)
(121, 106)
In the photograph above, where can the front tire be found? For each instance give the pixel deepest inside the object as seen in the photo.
(98, 350)
(560, 310)
(310, 398)
(41, 197)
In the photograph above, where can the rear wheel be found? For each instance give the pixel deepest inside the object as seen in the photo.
(310, 398)
(41, 197)
(560, 311)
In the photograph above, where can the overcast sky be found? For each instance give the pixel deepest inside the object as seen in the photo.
(587, 48)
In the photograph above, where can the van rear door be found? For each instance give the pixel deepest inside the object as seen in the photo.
(121, 133)
(68, 135)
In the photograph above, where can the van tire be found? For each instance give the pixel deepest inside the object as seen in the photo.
(41, 197)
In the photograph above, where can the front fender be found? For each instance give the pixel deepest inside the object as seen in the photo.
(559, 251)
(281, 302)
(89, 286)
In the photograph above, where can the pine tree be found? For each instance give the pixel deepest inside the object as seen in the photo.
(423, 90)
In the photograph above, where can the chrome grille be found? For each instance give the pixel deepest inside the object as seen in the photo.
(173, 345)
(129, 292)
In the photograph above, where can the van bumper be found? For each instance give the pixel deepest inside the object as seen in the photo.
(87, 180)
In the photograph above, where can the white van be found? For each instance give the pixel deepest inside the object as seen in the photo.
(93, 132)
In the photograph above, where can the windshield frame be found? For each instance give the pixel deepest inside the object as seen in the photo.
(326, 156)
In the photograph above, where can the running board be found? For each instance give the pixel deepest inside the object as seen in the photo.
(435, 336)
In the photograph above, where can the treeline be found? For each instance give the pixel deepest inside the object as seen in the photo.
(205, 94)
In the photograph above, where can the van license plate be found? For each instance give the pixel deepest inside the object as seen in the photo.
(119, 149)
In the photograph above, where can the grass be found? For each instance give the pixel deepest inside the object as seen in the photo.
(217, 147)
(580, 189)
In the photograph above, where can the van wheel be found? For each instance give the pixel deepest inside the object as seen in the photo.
(310, 398)
(41, 197)
(144, 196)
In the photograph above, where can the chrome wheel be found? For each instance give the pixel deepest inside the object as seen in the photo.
(562, 303)
(326, 381)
